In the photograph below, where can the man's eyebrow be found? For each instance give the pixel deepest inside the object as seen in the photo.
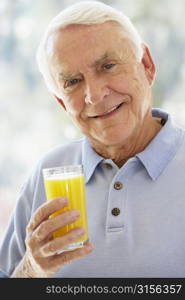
(67, 76)
(101, 59)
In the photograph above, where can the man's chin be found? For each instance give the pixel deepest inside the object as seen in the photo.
(108, 141)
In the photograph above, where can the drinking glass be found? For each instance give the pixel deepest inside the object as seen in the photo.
(68, 181)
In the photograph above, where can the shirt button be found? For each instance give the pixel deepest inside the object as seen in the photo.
(115, 211)
(118, 185)
(108, 166)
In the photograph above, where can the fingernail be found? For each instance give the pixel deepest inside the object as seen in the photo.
(65, 201)
(80, 231)
(90, 247)
(75, 213)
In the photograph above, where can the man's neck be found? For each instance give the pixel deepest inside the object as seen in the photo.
(121, 153)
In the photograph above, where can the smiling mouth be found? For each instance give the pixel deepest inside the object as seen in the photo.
(109, 112)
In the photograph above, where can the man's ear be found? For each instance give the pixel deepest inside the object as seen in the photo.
(148, 64)
(60, 101)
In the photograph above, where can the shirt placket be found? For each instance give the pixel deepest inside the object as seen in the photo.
(117, 197)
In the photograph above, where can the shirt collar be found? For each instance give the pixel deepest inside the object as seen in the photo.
(156, 155)
(163, 147)
(90, 159)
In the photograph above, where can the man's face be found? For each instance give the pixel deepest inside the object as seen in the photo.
(105, 90)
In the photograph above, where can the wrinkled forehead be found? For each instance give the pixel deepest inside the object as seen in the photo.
(77, 47)
(72, 36)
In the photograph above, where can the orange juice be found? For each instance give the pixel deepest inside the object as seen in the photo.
(68, 181)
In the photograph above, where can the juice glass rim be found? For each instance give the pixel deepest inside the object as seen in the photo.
(65, 171)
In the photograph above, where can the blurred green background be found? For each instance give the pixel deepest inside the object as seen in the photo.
(31, 121)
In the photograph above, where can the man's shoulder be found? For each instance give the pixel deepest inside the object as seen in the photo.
(179, 158)
(71, 145)
(60, 155)
(181, 149)
(64, 153)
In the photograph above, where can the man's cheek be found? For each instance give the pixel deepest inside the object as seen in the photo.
(73, 111)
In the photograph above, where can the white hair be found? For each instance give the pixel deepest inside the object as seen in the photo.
(87, 13)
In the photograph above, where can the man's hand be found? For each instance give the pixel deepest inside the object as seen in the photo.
(41, 258)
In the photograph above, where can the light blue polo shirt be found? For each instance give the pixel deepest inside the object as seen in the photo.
(136, 213)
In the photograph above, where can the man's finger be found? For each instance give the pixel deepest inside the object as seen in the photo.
(69, 256)
(50, 225)
(45, 210)
(57, 245)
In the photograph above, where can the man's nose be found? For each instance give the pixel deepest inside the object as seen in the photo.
(96, 90)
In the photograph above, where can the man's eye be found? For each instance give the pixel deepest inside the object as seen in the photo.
(108, 66)
(72, 82)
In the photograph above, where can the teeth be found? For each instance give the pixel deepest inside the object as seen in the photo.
(110, 110)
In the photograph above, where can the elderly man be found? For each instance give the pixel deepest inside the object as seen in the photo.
(96, 65)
